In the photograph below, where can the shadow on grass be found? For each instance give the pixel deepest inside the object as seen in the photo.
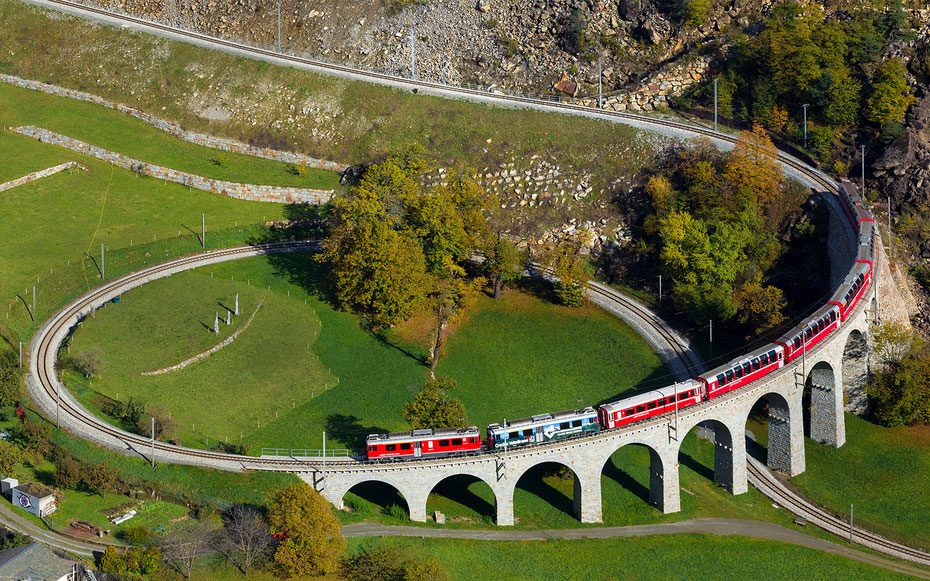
(384, 338)
(304, 270)
(626, 480)
(533, 482)
(381, 495)
(459, 489)
(536, 287)
(348, 430)
(696, 466)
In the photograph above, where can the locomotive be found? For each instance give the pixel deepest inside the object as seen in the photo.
(739, 372)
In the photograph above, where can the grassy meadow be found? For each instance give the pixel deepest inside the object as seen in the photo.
(304, 367)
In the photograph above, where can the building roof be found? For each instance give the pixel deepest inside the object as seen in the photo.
(34, 489)
(35, 561)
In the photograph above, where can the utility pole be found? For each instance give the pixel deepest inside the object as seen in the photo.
(278, 11)
(324, 453)
(20, 354)
(58, 404)
(805, 125)
(203, 230)
(153, 441)
(600, 93)
(660, 290)
(103, 270)
(33, 302)
(715, 104)
(890, 250)
(711, 350)
(413, 63)
(850, 522)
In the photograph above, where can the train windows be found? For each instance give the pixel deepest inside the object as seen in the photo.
(738, 372)
(564, 425)
(513, 435)
(576, 424)
(528, 433)
(443, 443)
(661, 402)
(390, 447)
(640, 409)
(406, 446)
(721, 379)
(755, 364)
(628, 413)
(690, 393)
(747, 368)
(372, 448)
(772, 356)
(651, 405)
(457, 442)
(797, 342)
(764, 358)
(729, 374)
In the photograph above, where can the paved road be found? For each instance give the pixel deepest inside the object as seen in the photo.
(19, 524)
(713, 526)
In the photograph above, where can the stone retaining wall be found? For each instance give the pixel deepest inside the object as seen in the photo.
(251, 192)
(36, 175)
(176, 130)
(208, 352)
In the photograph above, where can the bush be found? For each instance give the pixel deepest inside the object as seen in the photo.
(135, 535)
(11, 378)
(388, 562)
(694, 12)
(67, 472)
(395, 511)
(900, 391)
(89, 362)
(574, 33)
(131, 412)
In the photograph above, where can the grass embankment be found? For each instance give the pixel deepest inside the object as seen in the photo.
(883, 472)
(662, 557)
(331, 118)
(277, 393)
(121, 133)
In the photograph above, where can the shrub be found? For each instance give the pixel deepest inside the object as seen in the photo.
(574, 33)
(395, 511)
(89, 362)
(67, 472)
(695, 12)
(388, 562)
(136, 535)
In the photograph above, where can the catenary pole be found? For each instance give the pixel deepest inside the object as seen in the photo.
(600, 93)
(413, 62)
(103, 270)
(715, 104)
(203, 230)
(805, 125)
(153, 441)
(279, 25)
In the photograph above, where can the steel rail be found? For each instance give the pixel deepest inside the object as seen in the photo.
(757, 476)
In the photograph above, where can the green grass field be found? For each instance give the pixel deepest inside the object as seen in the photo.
(121, 133)
(277, 393)
(883, 472)
(660, 557)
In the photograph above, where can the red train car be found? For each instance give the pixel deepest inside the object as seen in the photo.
(807, 335)
(743, 370)
(424, 443)
(649, 404)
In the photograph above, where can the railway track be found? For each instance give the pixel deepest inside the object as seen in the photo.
(43, 356)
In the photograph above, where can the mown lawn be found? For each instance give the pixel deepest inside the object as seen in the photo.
(517, 356)
(661, 557)
(883, 472)
(121, 133)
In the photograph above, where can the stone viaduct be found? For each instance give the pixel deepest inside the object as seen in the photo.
(820, 371)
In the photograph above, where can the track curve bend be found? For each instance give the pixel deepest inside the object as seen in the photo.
(58, 403)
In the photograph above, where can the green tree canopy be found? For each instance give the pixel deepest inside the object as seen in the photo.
(11, 378)
(434, 408)
(890, 96)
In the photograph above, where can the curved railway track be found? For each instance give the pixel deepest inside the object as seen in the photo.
(43, 354)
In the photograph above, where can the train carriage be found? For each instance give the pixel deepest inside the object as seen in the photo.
(848, 294)
(743, 370)
(650, 404)
(852, 204)
(424, 443)
(806, 336)
(543, 428)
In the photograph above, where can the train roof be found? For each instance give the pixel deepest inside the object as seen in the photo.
(415, 435)
(713, 373)
(542, 419)
(651, 395)
(790, 335)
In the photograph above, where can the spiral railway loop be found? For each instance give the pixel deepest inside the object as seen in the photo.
(760, 477)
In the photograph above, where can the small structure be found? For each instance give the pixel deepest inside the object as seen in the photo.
(7, 485)
(566, 85)
(34, 498)
(35, 561)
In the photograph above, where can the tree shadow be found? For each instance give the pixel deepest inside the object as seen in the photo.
(532, 482)
(626, 480)
(348, 430)
(457, 489)
(304, 270)
(536, 286)
(383, 338)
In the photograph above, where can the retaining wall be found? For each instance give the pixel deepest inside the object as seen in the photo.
(251, 192)
(176, 130)
(44, 173)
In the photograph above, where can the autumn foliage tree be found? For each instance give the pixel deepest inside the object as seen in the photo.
(312, 542)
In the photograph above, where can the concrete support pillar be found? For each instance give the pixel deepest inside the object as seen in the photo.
(587, 498)
(663, 481)
(828, 425)
(786, 434)
(504, 496)
(416, 502)
(723, 456)
(739, 479)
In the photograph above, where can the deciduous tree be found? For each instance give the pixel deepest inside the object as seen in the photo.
(434, 408)
(246, 535)
(11, 378)
(502, 262)
(312, 539)
(890, 96)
